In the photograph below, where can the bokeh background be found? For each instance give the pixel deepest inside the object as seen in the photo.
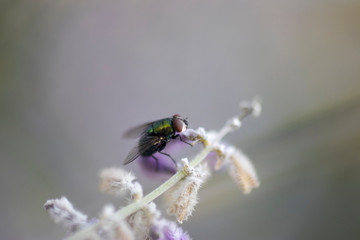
(74, 75)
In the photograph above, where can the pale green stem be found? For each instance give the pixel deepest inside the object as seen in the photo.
(133, 207)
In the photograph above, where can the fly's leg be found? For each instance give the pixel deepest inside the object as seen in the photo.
(185, 141)
(166, 154)
(182, 140)
(159, 148)
(157, 163)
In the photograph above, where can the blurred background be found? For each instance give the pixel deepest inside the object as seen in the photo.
(74, 75)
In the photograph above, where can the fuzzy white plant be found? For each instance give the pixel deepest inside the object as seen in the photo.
(184, 195)
(112, 226)
(117, 181)
(62, 211)
(140, 219)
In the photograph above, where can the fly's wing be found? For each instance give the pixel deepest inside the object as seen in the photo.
(147, 144)
(133, 154)
(137, 131)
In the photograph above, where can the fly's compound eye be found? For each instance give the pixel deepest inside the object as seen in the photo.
(179, 125)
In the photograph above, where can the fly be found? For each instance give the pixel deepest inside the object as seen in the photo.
(154, 136)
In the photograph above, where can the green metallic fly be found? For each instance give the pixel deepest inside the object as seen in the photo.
(154, 136)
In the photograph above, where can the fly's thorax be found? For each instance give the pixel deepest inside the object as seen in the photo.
(162, 127)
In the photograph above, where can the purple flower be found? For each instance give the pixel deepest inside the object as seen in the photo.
(164, 167)
(168, 230)
(212, 158)
(174, 232)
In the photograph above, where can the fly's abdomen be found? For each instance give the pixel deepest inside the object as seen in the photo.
(150, 145)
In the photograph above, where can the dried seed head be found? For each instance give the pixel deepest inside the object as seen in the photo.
(243, 172)
(184, 195)
(62, 211)
(240, 167)
(117, 181)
